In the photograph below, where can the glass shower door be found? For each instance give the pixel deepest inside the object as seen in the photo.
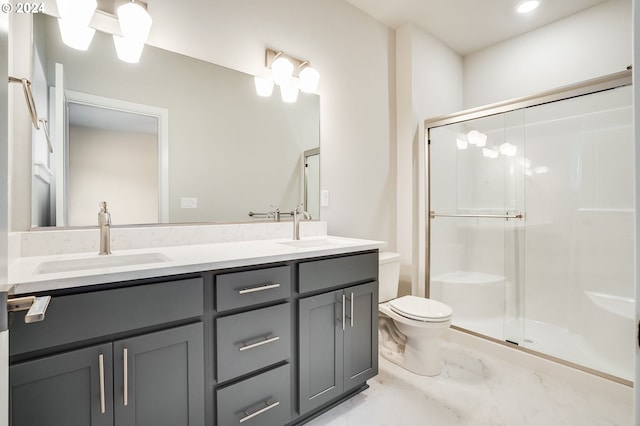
(476, 205)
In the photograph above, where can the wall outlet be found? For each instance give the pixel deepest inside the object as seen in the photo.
(324, 198)
(188, 203)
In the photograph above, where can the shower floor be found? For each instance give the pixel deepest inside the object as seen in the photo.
(548, 339)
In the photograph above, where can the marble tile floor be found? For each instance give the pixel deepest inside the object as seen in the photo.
(475, 390)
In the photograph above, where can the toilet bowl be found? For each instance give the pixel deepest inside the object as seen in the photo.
(411, 327)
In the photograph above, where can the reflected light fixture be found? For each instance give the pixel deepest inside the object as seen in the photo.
(527, 6)
(508, 150)
(291, 74)
(477, 138)
(289, 91)
(264, 86)
(461, 142)
(489, 153)
(135, 24)
(74, 17)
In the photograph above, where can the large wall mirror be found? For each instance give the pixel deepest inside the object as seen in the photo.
(171, 139)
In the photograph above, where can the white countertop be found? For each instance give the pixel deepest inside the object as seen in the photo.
(25, 277)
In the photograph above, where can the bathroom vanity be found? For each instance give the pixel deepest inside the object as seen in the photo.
(271, 338)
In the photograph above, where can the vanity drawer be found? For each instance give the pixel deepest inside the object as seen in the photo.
(240, 289)
(79, 317)
(252, 340)
(338, 271)
(263, 400)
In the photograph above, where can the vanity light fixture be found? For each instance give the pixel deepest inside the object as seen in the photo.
(135, 24)
(527, 6)
(489, 153)
(507, 149)
(74, 17)
(461, 142)
(291, 74)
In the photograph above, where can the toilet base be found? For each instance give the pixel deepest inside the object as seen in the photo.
(420, 356)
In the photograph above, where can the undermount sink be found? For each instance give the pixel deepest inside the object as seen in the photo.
(324, 242)
(99, 262)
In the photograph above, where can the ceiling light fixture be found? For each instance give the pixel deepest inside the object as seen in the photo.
(527, 6)
(291, 74)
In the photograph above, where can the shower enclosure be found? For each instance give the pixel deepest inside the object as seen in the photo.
(532, 222)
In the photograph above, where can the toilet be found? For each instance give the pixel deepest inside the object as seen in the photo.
(411, 328)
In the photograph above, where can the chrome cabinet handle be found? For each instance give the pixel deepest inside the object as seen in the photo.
(125, 368)
(343, 311)
(268, 407)
(103, 408)
(270, 339)
(352, 313)
(259, 288)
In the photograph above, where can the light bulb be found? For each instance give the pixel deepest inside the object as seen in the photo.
(135, 22)
(264, 86)
(282, 70)
(309, 79)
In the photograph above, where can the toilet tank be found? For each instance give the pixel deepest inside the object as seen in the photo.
(388, 275)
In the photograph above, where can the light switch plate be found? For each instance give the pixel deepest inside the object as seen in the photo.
(324, 198)
(188, 203)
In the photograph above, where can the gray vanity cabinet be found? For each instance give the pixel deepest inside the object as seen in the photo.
(63, 390)
(338, 343)
(159, 378)
(161, 383)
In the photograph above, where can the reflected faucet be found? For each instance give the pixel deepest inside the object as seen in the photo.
(297, 213)
(104, 223)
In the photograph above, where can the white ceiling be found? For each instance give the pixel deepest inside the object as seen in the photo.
(466, 26)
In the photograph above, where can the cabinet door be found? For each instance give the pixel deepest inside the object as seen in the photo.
(159, 378)
(321, 349)
(69, 389)
(361, 335)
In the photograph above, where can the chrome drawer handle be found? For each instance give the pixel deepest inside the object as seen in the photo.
(259, 288)
(260, 411)
(103, 408)
(125, 393)
(271, 339)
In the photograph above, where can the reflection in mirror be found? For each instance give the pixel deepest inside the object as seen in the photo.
(228, 150)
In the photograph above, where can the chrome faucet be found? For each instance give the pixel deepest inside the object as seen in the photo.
(297, 213)
(104, 223)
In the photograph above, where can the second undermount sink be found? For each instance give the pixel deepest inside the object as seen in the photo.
(98, 262)
(313, 243)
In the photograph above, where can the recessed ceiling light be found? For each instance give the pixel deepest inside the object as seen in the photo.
(527, 6)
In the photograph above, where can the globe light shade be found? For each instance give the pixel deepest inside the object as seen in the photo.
(477, 138)
(264, 86)
(78, 12)
(289, 92)
(128, 50)
(75, 36)
(282, 70)
(135, 22)
(309, 79)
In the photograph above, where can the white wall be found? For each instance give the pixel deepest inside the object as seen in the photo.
(429, 83)
(587, 45)
(99, 172)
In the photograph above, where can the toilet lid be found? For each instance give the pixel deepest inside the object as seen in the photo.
(421, 309)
